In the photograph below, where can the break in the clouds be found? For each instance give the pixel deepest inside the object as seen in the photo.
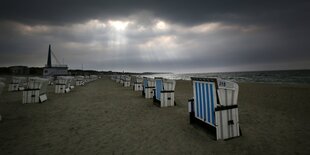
(175, 36)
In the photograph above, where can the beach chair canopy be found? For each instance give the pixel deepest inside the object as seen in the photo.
(19, 80)
(37, 83)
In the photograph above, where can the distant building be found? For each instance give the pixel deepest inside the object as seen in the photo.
(19, 70)
(53, 70)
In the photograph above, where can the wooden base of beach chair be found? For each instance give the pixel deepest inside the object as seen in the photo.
(60, 88)
(13, 86)
(31, 96)
(137, 87)
(126, 84)
(149, 92)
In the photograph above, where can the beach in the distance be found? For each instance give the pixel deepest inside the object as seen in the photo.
(105, 118)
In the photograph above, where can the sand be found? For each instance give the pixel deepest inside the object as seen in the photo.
(105, 118)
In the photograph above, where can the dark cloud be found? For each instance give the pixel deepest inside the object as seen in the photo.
(245, 33)
(182, 11)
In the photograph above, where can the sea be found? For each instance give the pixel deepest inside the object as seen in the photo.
(271, 77)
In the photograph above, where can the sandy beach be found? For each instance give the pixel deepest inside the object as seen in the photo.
(105, 118)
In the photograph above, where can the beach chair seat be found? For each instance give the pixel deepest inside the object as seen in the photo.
(215, 106)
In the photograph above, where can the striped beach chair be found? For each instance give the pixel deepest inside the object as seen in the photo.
(126, 81)
(63, 84)
(215, 106)
(17, 83)
(35, 91)
(164, 92)
(79, 81)
(158, 88)
(148, 87)
(138, 84)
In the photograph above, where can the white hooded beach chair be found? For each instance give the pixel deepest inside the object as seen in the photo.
(137, 84)
(113, 77)
(79, 81)
(164, 92)
(215, 106)
(72, 83)
(148, 87)
(122, 79)
(17, 83)
(35, 91)
(118, 79)
(63, 84)
(50, 80)
(126, 81)
(132, 80)
(93, 77)
(87, 79)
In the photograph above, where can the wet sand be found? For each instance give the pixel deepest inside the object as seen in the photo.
(105, 118)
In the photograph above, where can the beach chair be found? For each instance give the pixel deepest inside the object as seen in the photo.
(86, 79)
(50, 80)
(137, 85)
(114, 77)
(79, 81)
(148, 87)
(122, 79)
(164, 92)
(132, 80)
(72, 83)
(35, 91)
(17, 83)
(93, 77)
(126, 81)
(118, 79)
(62, 84)
(215, 106)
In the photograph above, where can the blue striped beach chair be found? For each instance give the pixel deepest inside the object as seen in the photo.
(158, 88)
(164, 92)
(214, 106)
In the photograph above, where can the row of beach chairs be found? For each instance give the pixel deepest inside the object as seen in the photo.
(213, 106)
(35, 88)
(159, 89)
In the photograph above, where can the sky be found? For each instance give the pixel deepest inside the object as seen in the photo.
(180, 36)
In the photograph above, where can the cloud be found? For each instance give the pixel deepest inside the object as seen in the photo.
(156, 35)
